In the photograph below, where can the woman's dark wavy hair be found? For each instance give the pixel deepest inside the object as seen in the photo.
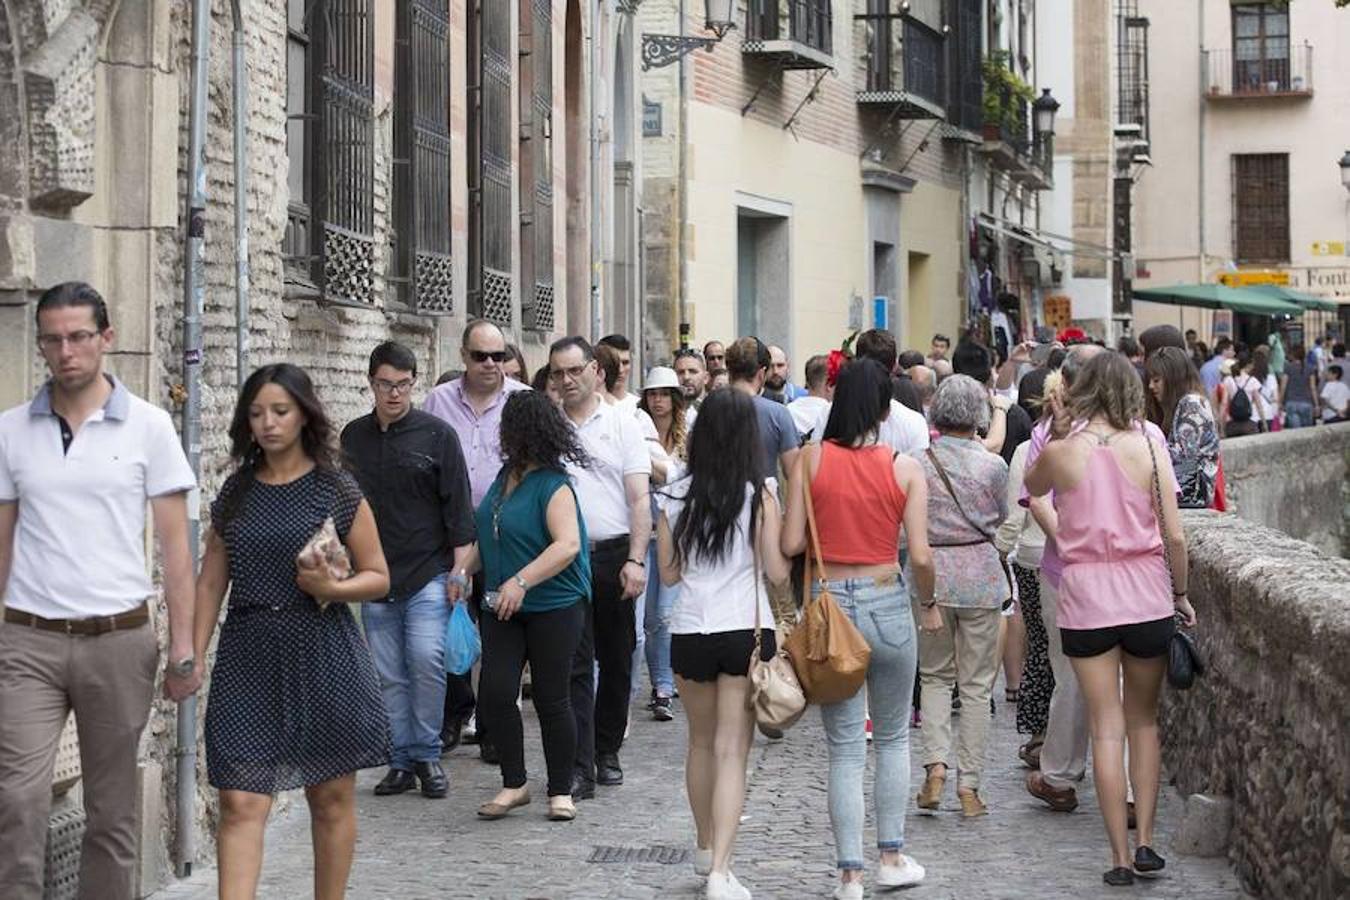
(1179, 378)
(534, 432)
(316, 435)
(862, 399)
(724, 456)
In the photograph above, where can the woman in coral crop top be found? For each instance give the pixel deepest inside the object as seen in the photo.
(1117, 596)
(862, 493)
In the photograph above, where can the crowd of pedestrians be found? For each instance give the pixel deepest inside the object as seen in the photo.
(966, 513)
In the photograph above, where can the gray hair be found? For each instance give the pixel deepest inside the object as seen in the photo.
(960, 404)
(925, 379)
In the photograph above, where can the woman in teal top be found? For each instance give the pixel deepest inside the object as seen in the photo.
(532, 547)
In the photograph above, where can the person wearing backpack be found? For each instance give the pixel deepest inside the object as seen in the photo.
(1241, 410)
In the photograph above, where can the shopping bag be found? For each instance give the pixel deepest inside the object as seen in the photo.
(462, 644)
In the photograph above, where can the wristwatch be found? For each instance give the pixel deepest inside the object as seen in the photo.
(524, 585)
(183, 668)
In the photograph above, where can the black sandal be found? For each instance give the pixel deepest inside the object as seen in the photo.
(1147, 862)
(1119, 877)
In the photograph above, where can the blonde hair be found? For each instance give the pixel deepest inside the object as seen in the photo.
(1108, 386)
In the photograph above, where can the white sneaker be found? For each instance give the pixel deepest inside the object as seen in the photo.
(853, 890)
(724, 886)
(702, 861)
(908, 872)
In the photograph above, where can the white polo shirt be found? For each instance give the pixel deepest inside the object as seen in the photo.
(79, 548)
(614, 442)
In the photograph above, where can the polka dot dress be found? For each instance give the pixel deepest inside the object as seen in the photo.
(294, 697)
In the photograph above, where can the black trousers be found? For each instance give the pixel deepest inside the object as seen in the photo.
(460, 701)
(547, 641)
(609, 636)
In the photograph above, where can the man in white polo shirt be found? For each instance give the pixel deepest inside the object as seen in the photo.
(77, 465)
(613, 493)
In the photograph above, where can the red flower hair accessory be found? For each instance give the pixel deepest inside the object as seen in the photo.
(835, 362)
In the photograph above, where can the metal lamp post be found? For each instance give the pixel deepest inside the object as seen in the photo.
(1043, 112)
(1345, 170)
(660, 50)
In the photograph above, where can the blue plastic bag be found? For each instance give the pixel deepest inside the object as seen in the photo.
(462, 644)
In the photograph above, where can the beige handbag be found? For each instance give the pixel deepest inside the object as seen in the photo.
(775, 693)
(326, 548)
(828, 652)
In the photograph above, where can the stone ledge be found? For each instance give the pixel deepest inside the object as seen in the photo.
(1268, 726)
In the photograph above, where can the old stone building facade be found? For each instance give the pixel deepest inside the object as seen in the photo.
(409, 164)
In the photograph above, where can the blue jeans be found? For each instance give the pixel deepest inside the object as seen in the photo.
(1297, 415)
(407, 642)
(656, 624)
(880, 608)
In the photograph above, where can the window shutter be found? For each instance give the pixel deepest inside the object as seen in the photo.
(345, 147)
(536, 221)
(492, 213)
(422, 175)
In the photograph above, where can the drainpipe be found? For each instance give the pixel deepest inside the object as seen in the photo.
(239, 72)
(194, 291)
(597, 10)
(682, 186)
(1200, 149)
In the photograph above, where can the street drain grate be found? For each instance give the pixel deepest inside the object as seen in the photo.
(666, 856)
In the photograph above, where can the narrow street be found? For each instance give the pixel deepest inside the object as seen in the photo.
(409, 847)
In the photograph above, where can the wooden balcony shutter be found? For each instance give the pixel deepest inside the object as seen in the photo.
(536, 153)
(421, 198)
(491, 215)
(345, 149)
(1261, 207)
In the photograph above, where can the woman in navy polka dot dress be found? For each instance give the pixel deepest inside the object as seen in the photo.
(294, 699)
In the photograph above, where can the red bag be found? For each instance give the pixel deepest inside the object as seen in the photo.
(1220, 501)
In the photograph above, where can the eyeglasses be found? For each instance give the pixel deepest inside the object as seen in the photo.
(76, 339)
(482, 356)
(573, 373)
(392, 388)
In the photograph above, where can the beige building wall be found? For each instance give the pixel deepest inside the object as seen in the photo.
(1187, 181)
(930, 221)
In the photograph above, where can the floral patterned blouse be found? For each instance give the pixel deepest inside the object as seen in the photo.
(969, 573)
(1194, 447)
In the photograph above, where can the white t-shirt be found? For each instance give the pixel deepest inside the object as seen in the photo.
(904, 430)
(1250, 386)
(806, 410)
(715, 597)
(613, 440)
(79, 546)
(1335, 394)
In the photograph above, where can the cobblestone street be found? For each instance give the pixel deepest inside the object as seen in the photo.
(410, 847)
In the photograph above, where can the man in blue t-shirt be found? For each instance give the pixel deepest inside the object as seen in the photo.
(748, 363)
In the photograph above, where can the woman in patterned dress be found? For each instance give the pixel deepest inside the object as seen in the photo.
(294, 699)
(1176, 403)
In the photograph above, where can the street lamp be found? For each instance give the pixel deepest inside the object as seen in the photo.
(1345, 170)
(1043, 111)
(660, 50)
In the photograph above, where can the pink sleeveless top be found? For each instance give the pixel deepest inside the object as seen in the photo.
(1109, 541)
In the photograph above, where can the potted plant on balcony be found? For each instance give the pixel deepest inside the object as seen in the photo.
(1006, 97)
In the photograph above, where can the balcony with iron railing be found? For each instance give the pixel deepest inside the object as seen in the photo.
(903, 66)
(794, 34)
(1011, 144)
(1281, 70)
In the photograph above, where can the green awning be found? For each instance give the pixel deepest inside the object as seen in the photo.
(1218, 296)
(1307, 301)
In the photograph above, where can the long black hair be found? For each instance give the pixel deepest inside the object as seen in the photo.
(316, 435)
(724, 456)
(862, 399)
(534, 432)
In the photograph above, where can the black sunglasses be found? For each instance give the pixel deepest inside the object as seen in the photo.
(482, 356)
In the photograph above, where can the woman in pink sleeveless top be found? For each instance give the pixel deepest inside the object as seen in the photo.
(1117, 598)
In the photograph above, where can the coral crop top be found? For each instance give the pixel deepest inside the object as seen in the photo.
(859, 507)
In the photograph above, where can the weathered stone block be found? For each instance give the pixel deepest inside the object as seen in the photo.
(62, 251)
(1205, 826)
(152, 862)
(67, 770)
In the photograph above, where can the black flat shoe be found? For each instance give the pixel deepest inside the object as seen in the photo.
(434, 783)
(451, 734)
(1146, 862)
(582, 788)
(607, 769)
(398, 781)
(1119, 877)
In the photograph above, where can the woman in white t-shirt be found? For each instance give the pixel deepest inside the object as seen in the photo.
(1268, 412)
(713, 525)
(1241, 380)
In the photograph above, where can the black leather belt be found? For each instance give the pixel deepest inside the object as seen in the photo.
(610, 543)
(84, 627)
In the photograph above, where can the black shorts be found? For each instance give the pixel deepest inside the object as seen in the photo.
(702, 657)
(1142, 639)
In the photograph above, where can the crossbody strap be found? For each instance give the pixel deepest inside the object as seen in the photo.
(1158, 510)
(811, 522)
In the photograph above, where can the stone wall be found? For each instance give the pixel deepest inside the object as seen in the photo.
(1295, 482)
(1269, 726)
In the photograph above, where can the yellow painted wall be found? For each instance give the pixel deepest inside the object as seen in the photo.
(930, 223)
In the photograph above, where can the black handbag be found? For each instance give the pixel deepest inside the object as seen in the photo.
(1184, 662)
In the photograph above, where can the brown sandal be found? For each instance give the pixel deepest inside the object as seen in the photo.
(494, 810)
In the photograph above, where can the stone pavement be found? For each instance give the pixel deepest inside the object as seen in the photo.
(409, 847)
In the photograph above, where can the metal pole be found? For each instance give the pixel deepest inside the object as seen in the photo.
(194, 291)
(597, 10)
(239, 72)
(1200, 147)
(682, 184)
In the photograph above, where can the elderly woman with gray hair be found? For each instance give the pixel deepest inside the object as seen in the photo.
(967, 501)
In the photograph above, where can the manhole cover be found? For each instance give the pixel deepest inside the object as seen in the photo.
(666, 856)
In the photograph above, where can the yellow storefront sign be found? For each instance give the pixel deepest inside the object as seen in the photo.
(1328, 248)
(1248, 279)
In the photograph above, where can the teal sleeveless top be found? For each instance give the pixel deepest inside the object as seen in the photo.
(514, 530)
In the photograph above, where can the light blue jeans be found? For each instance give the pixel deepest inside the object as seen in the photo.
(880, 608)
(1297, 415)
(407, 642)
(656, 624)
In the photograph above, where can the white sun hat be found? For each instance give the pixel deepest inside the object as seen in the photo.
(659, 377)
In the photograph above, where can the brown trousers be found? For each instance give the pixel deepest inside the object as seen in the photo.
(109, 681)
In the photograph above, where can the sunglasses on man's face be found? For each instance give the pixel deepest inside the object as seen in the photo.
(482, 356)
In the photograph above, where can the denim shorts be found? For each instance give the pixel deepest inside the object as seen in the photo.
(1141, 639)
(703, 657)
